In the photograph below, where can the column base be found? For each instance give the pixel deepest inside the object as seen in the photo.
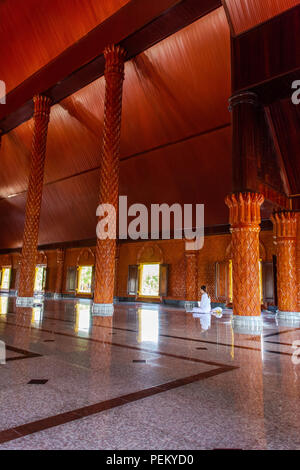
(287, 318)
(103, 310)
(25, 301)
(57, 296)
(189, 305)
(247, 325)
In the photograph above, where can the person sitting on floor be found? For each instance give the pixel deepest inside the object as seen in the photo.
(204, 306)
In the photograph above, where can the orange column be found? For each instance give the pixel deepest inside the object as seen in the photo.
(34, 198)
(298, 261)
(109, 176)
(245, 219)
(285, 234)
(191, 279)
(59, 272)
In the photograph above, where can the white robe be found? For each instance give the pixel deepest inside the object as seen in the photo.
(204, 306)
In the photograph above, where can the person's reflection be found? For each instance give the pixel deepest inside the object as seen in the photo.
(205, 320)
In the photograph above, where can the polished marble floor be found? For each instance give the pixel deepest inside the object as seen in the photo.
(150, 377)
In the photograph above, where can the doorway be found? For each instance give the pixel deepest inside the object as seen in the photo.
(40, 279)
(149, 280)
(5, 278)
(85, 275)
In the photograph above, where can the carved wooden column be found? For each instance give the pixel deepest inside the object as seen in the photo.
(244, 205)
(34, 198)
(109, 176)
(298, 261)
(18, 276)
(191, 279)
(59, 272)
(245, 219)
(117, 261)
(245, 141)
(285, 234)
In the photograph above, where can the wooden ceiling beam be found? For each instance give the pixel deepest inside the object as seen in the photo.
(136, 26)
(266, 59)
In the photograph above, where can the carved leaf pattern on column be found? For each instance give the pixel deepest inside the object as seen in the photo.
(109, 169)
(191, 276)
(298, 261)
(245, 219)
(60, 270)
(34, 195)
(285, 233)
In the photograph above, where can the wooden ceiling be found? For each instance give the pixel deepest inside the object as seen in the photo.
(176, 134)
(245, 14)
(34, 32)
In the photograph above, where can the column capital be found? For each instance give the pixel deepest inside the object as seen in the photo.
(284, 224)
(114, 60)
(42, 105)
(244, 209)
(244, 97)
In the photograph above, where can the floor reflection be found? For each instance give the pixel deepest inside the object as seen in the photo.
(205, 320)
(83, 318)
(3, 305)
(148, 325)
(37, 315)
(88, 359)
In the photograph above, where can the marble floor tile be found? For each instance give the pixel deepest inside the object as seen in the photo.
(196, 389)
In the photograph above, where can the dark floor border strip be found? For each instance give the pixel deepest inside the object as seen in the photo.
(25, 354)
(20, 358)
(281, 332)
(21, 351)
(279, 343)
(79, 413)
(279, 352)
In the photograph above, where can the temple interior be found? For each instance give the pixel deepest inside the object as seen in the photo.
(111, 112)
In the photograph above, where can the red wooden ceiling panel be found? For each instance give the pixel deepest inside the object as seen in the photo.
(33, 32)
(175, 89)
(180, 173)
(246, 14)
